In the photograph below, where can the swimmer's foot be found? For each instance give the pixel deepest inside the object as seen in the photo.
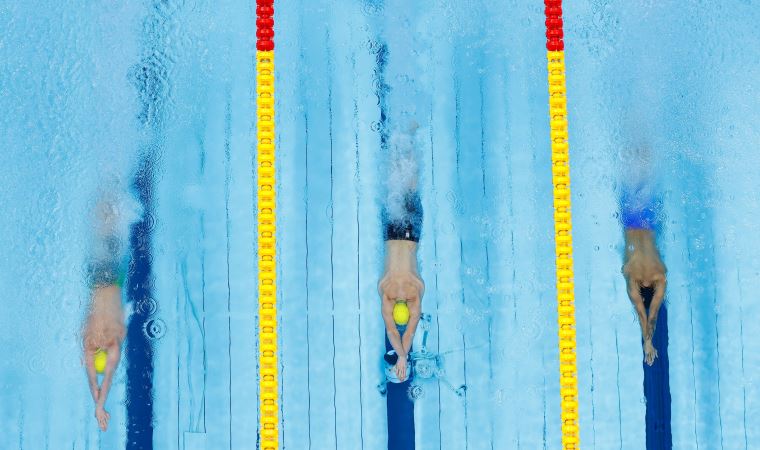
(650, 353)
(103, 417)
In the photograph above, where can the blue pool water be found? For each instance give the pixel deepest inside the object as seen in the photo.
(155, 101)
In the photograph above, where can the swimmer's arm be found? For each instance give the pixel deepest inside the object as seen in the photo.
(414, 319)
(92, 377)
(114, 353)
(654, 307)
(638, 302)
(390, 327)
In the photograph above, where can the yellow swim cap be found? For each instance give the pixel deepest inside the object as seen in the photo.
(100, 360)
(400, 312)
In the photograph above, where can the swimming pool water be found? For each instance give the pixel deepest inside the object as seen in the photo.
(156, 100)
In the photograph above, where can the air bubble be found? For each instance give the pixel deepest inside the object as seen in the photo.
(415, 392)
(424, 368)
(147, 307)
(154, 329)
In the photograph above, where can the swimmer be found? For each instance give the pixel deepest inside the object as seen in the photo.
(104, 330)
(643, 268)
(401, 288)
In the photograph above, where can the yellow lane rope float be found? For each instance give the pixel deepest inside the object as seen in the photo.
(267, 287)
(562, 225)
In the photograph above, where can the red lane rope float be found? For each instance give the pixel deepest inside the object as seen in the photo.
(264, 24)
(568, 381)
(554, 33)
(266, 221)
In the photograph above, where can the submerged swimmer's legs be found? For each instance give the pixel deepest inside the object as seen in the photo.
(402, 209)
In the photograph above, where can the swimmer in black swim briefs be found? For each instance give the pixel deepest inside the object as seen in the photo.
(104, 329)
(401, 288)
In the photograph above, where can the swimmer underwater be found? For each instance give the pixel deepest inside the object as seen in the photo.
(104, 329)
(401, 288)
(643, 269)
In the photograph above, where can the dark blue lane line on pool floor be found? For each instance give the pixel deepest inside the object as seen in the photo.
(657, 388)
(150, 78)
(400, 405)
(400, 412)
(139, 352)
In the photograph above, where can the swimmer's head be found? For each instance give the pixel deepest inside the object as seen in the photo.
(99, 360)
(401, 312)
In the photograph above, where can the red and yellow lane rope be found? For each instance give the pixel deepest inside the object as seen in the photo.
(562, 225)
(267, 290)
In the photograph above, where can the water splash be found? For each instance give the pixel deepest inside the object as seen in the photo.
(402, 172)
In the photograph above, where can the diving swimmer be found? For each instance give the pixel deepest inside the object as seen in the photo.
(401, 288)
(104, 330)
(643, 268)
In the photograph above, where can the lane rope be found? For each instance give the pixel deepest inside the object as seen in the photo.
(266, 242)
(563, 227)
(265, 156)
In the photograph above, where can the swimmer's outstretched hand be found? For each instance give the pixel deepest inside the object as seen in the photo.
(401, 368)
(103, 417)
(650, 353)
